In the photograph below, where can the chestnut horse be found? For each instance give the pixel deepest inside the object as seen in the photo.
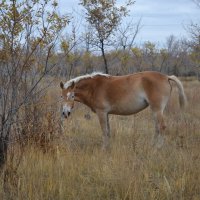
(121, 95)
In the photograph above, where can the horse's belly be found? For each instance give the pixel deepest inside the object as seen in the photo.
(128, 108)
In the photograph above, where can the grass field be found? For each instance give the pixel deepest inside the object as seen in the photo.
(75, 167)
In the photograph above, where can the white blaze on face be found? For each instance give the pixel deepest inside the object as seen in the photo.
(66, 109)
(68, 95)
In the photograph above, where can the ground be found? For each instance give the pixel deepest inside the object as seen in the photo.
(78, 168)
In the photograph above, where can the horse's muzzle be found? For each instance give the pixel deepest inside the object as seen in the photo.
(66, 115)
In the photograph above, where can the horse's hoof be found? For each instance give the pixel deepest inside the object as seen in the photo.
(158, 142)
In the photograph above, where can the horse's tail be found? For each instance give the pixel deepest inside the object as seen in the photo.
(182, 96)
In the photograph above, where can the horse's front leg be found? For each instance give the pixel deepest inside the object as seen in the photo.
(104, 122)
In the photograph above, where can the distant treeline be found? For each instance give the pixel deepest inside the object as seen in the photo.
(177, 57)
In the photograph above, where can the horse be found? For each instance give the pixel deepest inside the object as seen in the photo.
(121, 95)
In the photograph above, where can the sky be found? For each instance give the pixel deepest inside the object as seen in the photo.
(159, 18)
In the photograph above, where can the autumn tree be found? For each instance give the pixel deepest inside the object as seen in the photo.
(104, 16)
(125, 36)
(194, 31)
(137, 57)
(150, 54)
(69, 48)
(29, 33)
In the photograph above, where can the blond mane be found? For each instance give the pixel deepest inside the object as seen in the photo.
(79, 78)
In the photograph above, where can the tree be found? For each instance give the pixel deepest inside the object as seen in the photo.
(104, 16)
(68, 47)
(150, 54)
(126, 35)
(197, 2)
(28, 37)
(137, 58)
(194, 31)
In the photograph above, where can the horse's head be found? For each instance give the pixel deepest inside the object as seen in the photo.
(68, 99)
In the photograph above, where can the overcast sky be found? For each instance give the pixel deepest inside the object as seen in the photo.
(160, 18)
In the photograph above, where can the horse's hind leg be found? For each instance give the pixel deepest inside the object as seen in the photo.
(158, 139)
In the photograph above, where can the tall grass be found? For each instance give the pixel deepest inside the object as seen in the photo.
(75, 167)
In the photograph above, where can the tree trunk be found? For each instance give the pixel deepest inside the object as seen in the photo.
(104, 58)
(3, 150)
(4, 140)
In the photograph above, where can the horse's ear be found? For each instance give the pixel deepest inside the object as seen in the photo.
(61, 85)
(72, 85)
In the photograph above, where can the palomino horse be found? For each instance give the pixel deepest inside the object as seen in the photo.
(121, 95)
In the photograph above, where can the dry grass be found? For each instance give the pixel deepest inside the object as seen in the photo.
(77, 168)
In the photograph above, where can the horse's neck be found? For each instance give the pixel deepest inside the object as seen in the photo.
(83, 91)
